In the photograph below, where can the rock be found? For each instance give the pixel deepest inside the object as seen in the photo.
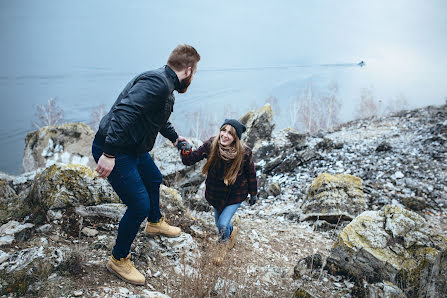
(77, 293)
(167, 158)
(298, 140)
(393, 245)
(301, 293)
(413, 203)
(8, 197)
(7, 193)
(326, 144)
(333, 198)
(6, 240)
(60, 186)
(153, 294)
(397, 175)
(44, 228)
(172, 251)
(274, 189)
(259, 125)
(383, 147)
(384, 290)
(13, 230)
(89, 232)
(171, 199)
(113, 211)
(31, 257)
(67, 143)
(3, 256)
(197, 201)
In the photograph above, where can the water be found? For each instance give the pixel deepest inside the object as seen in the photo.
(222, 93)
(85, 54)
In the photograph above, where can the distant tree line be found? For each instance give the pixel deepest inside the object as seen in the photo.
(308, 112)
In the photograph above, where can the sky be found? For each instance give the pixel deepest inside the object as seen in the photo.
(62, 48)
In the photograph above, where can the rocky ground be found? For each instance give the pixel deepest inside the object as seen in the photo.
(59, 222)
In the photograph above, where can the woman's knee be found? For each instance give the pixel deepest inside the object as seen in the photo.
(222, 226)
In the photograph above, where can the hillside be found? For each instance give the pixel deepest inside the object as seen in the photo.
(59, 222)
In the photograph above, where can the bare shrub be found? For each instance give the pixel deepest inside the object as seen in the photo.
(368, 106)
(73, 263)
(397, 104)
(331, 107)
(208, 280)
(311, 112)
(96, 115)
(48, 114)
(202, 124)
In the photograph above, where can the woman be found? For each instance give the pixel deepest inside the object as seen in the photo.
(231, 176)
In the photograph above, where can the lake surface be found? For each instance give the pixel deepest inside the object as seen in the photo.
(84, 54)
(222, 93)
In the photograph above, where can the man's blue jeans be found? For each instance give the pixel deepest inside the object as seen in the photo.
(136, 180)
(223, 221)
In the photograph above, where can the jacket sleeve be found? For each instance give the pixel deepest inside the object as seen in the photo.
(169, 132)
(144, 95)
(197, 155)
(251, 174)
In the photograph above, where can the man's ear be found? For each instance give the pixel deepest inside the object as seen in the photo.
(188, 71)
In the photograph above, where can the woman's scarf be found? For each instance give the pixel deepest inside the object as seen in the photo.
(227, 152)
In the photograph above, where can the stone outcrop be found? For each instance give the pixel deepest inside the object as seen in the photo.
(393, 245)
(167, 158)
(60, 186)
(12, 230)
(334, 198)
(113, 211)
(259, 125)
(67, 143)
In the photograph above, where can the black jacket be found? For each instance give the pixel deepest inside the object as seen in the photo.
(141, 111)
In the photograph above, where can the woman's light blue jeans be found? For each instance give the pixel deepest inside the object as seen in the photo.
(223, 221)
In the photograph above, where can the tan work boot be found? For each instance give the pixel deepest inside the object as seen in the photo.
(233, 236)
(220, 254)
(162, 228)
(125, 270)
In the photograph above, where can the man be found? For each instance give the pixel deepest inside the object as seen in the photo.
(121, 145)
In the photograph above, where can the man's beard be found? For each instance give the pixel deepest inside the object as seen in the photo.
(184, 84)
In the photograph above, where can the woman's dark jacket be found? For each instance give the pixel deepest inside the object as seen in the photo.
(217, 193)
(141, 111)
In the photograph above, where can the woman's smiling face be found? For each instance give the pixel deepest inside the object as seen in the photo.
(225, 136)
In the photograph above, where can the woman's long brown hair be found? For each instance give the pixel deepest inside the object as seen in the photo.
(232, 169)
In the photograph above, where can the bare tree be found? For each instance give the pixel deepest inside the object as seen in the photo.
(368, 105)
(48, 114)
(96, 115)
(331, 105)
(202, 124)
(310, 112)
(397, 104)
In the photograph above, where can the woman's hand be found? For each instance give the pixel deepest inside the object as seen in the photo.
(105, 166)
(252, 200)
(180, 138)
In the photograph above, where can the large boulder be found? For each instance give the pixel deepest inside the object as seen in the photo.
(259, 125)
(167, 158)
(393, 245)
(334, 198)
(67, 143)
(60, 186)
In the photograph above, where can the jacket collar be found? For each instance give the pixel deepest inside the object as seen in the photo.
(171, 74)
